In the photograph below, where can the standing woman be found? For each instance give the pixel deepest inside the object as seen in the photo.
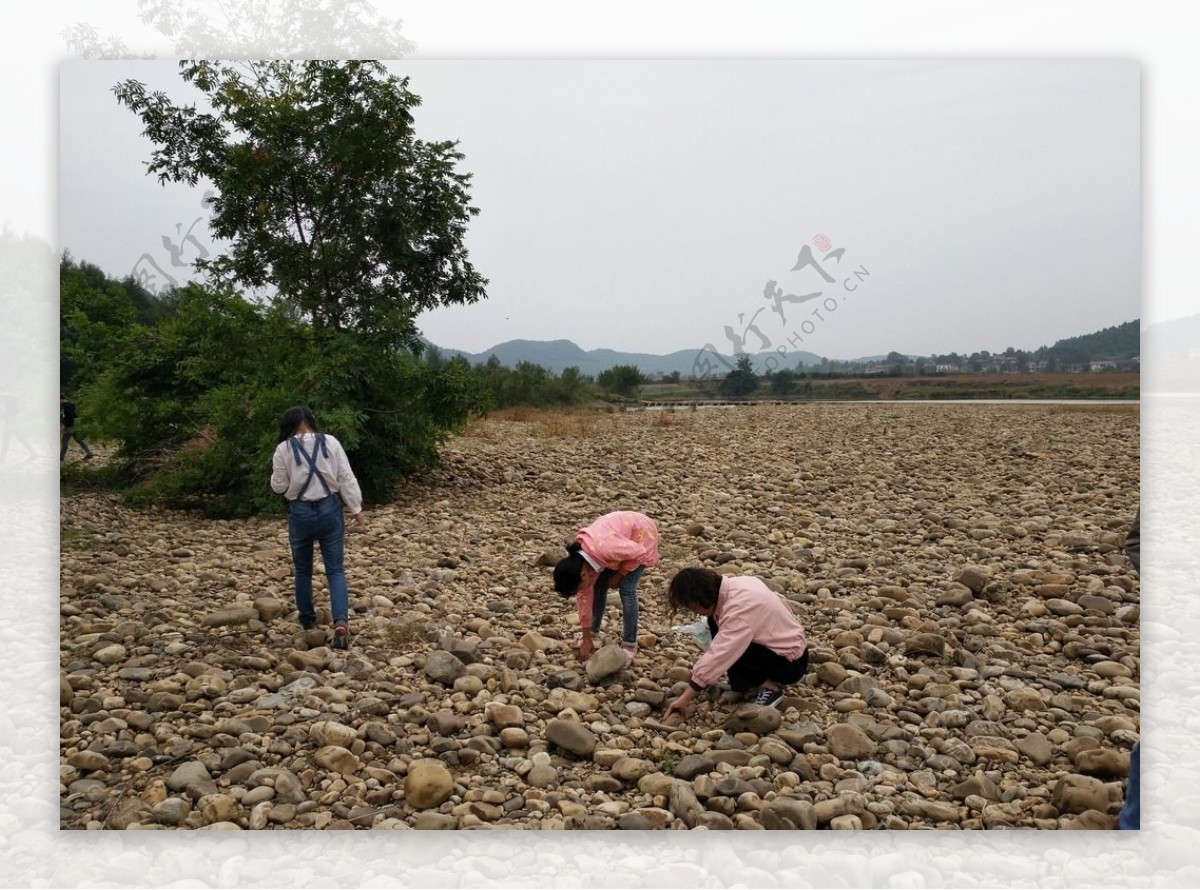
(611, 552)
(311, 470)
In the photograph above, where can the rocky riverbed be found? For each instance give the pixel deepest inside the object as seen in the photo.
(973, 629)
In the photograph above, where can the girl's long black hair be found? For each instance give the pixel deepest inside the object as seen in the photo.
(569, 573)
(292, 418)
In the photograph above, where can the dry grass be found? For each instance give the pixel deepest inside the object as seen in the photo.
(519, 414)
(669, 418)
(546, 423)
(574, 424)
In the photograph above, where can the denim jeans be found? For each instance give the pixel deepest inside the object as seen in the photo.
(319, 521)
(629, 606)
(1131, 813)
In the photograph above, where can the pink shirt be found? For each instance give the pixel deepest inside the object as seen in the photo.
(748, 612)
(622, 541)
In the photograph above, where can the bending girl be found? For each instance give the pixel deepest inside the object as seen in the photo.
(611, 552)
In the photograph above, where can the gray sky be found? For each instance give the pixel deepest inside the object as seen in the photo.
(643, 205)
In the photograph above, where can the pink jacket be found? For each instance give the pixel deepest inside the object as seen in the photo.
(748, 612)
(622, 541)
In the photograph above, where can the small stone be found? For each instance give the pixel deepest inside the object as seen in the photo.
(427, 785)
(337, 759)
(542, 776)
(753, 718)
(505, 716)
(605, 661)
(443, 667)
(1106, 763)
(974, 578)
(111, 654)
(1076, 794)
(630, 769)
(848, 822)
(171, 811)
(571, 736)
(89, 761)
(789, 814)
(219, 808)
(683, 803)
(233, 615)
(327, 732)
(1036, 747)
(187, 775)
(693, 765)
(535, 642)
(848, 742)
(435, 822)
(926, 643)
(634, 822)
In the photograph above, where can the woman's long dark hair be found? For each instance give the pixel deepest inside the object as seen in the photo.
(293, 418)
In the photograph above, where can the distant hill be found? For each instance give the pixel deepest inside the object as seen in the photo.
(1120, 342)
(558, 355)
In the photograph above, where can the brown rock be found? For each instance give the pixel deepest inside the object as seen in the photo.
(427, 785)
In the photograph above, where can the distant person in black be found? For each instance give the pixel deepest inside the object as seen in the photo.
(67, 410)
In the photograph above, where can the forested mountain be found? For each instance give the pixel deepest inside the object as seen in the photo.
(1120, 342)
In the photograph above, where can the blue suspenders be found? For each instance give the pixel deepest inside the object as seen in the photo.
(298, 450)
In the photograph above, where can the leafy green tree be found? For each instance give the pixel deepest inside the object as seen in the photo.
(623, 380)
(196, 399)
(97, 315)
(571, 388)
(741, 381)
(530, 385)
(326, 196)
(783, 382)
(324, 191)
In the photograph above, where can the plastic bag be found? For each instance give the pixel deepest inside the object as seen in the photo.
(698, 629)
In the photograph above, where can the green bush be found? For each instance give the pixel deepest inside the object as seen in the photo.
(196, 404)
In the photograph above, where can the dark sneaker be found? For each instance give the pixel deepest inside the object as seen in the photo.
(767, 697)
(307, 625)
(341, 636)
